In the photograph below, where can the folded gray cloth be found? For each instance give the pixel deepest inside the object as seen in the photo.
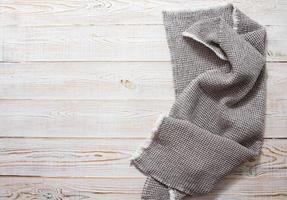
(217, 120)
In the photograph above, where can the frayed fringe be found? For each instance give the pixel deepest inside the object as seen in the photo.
(198, 8)
(148, 141)
(235, 19)
(171, 195)
(157, 124)
(194, 37)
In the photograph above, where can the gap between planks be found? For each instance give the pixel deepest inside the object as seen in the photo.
(65, 99)
(264, 177)
(107, 158)
(122, 189)
(107, 43)
(85, 12)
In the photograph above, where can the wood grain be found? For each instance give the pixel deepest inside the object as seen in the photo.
(105, 43)
(231, 188)
(69, 157)
(86, 12)
(70, 188)
(105, 80)
(81, 82)
(86, 80)
(102, 118)
(104, 99)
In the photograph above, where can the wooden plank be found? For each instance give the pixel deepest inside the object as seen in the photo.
(104, 99)
(105, 43)
(70, 188)
(232, 187)
(86, 12)
(51, 157)
(102, 118)
(109, 99)
(86, 80)
(105, 80)
(79, 118)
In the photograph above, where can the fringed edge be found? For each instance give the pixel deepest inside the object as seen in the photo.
(171, 195)
(235, 19)
(194, 37)
(199, 8)
(149, 139)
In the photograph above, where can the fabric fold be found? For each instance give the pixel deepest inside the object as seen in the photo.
(217, 120)
(190, 168)
(197, 33)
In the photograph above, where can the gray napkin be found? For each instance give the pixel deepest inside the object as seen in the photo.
(217, 120)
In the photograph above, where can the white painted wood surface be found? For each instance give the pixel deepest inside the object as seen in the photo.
(81, 82)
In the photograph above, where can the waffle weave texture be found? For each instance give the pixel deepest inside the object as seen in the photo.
(217, 120)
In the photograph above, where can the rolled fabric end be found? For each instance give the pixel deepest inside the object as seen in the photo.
(193, 162)
(149, 139)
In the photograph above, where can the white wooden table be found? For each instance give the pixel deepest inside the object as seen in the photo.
(81, 82)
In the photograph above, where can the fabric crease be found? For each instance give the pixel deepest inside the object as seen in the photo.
(217, 120)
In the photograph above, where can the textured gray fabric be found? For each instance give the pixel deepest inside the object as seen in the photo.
(217, 120)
